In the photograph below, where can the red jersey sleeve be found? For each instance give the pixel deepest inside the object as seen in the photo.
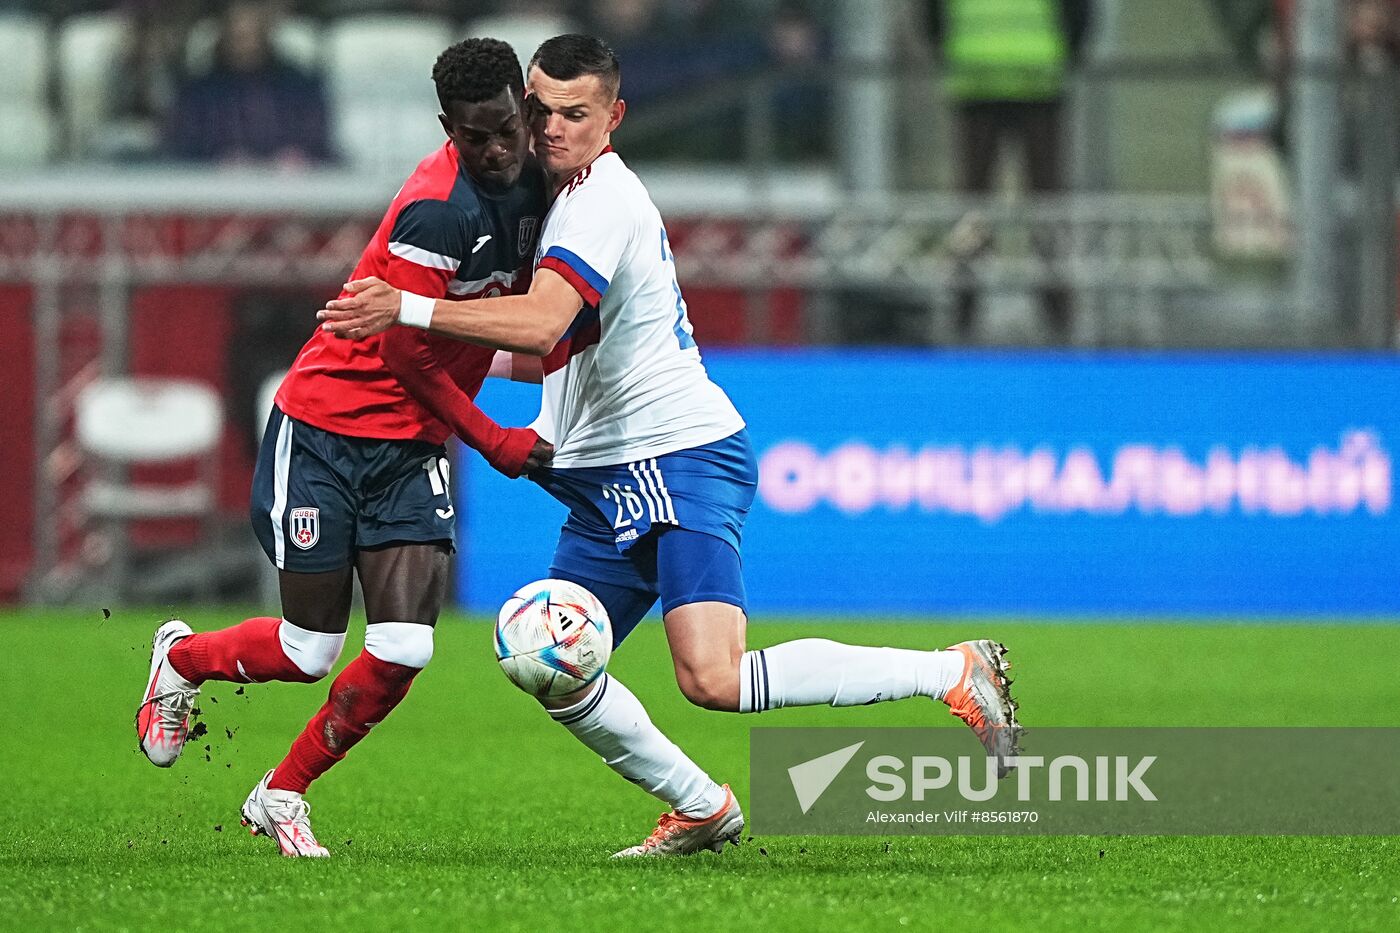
(407, 354)
(426, 246)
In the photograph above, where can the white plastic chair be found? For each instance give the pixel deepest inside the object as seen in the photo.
(379, 77)
(524, 32)
(24, 68)
(26, 126)
(27, 135)
(88, 49)
(125, 422)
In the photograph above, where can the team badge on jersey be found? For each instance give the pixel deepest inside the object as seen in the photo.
(528, 225)
(306, 528)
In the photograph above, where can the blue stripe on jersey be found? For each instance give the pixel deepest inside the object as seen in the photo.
(682, 337)
(584, 270)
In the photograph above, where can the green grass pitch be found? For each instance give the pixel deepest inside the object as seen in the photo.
(470, 809)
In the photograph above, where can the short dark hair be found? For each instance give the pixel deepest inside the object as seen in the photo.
(474, 70)
(573, 56)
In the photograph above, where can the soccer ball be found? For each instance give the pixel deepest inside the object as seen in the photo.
(552, 638)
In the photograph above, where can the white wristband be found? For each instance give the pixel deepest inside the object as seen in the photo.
(415, 310)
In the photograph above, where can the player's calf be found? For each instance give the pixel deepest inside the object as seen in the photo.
(256, 651)
(364, 693)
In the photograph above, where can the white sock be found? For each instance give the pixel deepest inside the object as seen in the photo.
(613, 723)
(816, 672)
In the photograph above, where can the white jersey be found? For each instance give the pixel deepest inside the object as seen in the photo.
(626, 382)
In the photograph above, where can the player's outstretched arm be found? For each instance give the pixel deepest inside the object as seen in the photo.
(512, 451)
(531, 323)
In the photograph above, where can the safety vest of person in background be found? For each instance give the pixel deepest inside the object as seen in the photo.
(1004, 50)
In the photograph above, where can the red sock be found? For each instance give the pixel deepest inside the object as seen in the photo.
(361, 696)
(249, 652)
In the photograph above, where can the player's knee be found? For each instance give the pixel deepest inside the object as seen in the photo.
(313, 653)
(409, 644)
(715, 688)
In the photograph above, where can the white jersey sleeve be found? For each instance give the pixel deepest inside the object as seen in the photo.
(587, 245)
(626, 382)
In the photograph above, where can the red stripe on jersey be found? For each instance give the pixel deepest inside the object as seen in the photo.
(584, 332)
(589, 294)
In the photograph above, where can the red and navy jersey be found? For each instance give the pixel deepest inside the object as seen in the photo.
(445, 237)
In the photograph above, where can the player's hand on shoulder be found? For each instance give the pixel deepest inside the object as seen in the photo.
(541, 455)
(370, 306)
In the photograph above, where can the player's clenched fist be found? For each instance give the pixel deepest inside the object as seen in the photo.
(371, 306)
(540, 456)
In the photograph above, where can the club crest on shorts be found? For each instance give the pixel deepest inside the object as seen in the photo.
(306, 527)
(527, 235)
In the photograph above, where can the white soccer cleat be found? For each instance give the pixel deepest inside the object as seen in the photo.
(982, 699)
(163, 718)
(285, 816)
(680, 835)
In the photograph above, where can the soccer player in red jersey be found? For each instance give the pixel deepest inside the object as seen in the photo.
(655, 465)
(352, 476)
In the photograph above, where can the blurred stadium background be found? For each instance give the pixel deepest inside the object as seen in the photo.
(1137, 360)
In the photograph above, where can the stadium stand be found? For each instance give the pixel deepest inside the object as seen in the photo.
(89, 46)
(24, 73)
(523, 31)
(378, 71)
(297, 39)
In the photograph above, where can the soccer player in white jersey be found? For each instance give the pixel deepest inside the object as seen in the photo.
(656, 467)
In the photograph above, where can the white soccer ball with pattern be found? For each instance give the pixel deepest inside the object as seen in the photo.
(552, 638)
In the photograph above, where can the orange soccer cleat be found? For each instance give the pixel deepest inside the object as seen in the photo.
(982, 699)
(681, 835)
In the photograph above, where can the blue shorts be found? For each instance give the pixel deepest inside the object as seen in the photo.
(318, 497)
(668, 527)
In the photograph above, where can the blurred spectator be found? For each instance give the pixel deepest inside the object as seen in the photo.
(1261, 30)
(1262, 33)
(682, 67)
(647, 42)
(1373, 52)
(1006, 64)
(713, 17)
(150, 66)
(797, 45)
(56, 9)
(455, 10)
(252, 105)
(1373, 31)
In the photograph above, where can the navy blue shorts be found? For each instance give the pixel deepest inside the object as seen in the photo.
(318, 497)
(669, 527)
